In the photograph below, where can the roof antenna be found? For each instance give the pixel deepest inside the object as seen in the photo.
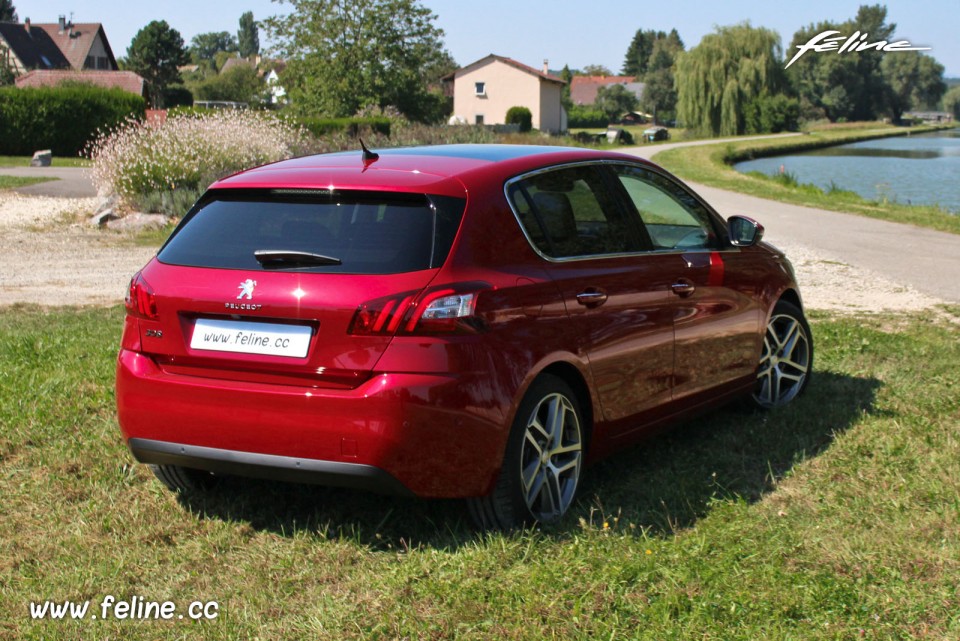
(368, 156)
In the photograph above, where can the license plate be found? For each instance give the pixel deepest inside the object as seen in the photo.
(272, 339)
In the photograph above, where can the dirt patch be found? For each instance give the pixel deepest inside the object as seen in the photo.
(50, 256)
(828, 283)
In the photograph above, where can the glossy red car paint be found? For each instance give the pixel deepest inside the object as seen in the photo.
(391, 403)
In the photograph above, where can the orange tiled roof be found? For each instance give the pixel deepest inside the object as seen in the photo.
(583, 89)
(126, 80)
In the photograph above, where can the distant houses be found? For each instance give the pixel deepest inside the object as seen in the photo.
(47, 54)
(485, 90)
(583, 89)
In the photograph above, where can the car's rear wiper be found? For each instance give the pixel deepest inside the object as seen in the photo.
(279, 258)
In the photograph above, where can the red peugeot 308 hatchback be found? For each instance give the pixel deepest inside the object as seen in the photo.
(474, 321)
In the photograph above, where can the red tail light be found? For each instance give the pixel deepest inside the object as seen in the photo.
(140, 300)
(450, 310)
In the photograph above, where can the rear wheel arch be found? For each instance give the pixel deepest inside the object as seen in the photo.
(543, 461)
(573, 377)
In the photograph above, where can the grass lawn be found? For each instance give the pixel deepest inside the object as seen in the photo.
(12, 182)
(833, 519)
(711, 165)
(58, 161)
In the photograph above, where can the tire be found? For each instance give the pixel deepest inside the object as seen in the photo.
(543, 461)
(183, 479)
(786, 359)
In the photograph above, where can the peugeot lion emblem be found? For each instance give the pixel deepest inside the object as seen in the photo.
(246, 289)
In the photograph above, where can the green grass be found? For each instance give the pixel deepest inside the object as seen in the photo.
(13, 182)
(711, 165)
(833, 519)
(58, 161)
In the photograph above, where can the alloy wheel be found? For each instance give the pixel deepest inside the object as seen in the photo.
(784, 362)
(550, 457)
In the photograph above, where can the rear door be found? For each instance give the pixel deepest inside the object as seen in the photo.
(617, 299)
(265, 285)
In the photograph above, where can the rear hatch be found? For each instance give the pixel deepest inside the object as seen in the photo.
(269, 285)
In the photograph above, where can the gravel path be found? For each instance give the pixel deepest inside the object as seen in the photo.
(49, 255)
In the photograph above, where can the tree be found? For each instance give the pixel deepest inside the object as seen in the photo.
(8, 13)
(615, 101)
(239, 84)
(951, 102)
(7, 75)
(596, 70)
(638, 53)
(659, 91)
(641, 50)
(205, 46)
(248, 37)
(728, 70)
(344, 55)
(848, 86)
(155, 53)
(913, 80)
(567, 76)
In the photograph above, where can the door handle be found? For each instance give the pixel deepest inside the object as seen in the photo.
(683, 288)
(592, 297)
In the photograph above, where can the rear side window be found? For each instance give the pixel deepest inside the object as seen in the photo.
(369, 233)
(568, 212)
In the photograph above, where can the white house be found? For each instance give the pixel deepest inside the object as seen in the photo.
(485, 90)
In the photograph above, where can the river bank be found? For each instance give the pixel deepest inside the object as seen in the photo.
(711, 165)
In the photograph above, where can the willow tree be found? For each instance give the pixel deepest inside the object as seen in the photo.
(723, 76)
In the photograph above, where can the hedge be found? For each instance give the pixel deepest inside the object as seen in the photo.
(520, 116)
(580, 116)
(322, 126)
(61, 119)
(319, 127)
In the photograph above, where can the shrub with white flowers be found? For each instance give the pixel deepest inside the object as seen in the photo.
(154, 166)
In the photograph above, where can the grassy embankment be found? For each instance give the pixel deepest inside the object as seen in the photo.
(711, 165)
(58, 161)
(13, 182)
(832, 519)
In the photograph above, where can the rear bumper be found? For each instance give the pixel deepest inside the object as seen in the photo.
(431, 435)
(268, 466)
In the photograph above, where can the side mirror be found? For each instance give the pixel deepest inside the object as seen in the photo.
(744, 231)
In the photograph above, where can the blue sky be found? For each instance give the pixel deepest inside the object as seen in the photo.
(563, 32)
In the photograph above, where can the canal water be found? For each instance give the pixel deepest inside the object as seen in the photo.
(922, 169)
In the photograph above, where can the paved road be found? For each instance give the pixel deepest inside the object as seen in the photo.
(71, 182)
(925, 259)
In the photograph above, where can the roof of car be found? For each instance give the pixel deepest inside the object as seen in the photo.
(410, 168)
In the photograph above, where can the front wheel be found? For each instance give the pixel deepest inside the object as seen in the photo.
(542, 466)
(786, 362)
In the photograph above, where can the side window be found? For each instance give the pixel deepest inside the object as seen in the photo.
(674, 219)
(568, 212)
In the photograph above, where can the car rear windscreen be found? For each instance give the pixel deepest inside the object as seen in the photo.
(363, 232)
